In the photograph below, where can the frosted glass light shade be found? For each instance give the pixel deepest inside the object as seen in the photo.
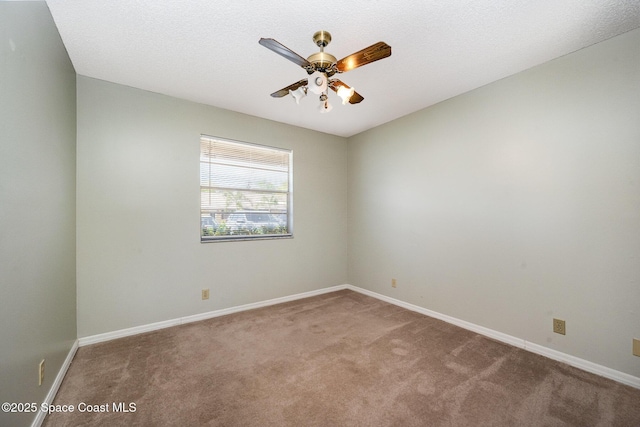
(345, 93)
(325, 107)
(298, 94)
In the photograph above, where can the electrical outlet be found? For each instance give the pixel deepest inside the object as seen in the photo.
(41, 372)
(205, 294)
(394, 283)
(559, 327)
(636, 347)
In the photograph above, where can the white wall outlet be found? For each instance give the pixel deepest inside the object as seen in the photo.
(205, 294)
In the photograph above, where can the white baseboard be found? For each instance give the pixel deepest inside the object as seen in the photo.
(576, 362)
(37, 422)
(108, 336)
(585, 365)
(499, 336)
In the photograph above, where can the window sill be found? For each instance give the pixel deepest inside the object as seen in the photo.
(244, 238)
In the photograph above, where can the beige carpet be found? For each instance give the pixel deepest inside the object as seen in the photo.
(339, 359)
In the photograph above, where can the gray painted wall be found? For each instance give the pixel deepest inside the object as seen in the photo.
(513, 204)
(140, 259)
(37, 204)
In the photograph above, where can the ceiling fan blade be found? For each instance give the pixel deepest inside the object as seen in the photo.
(285, 91)
(356, 98)
(367, 55)
(285, 52)
(335, 84)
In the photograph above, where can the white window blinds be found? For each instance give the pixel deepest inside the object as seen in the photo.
(245, 190)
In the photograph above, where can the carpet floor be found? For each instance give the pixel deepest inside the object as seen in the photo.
(338, 359)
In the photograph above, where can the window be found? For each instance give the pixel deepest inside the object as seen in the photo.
(245, 191)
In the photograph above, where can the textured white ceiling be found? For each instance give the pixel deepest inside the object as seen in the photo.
(207, 51)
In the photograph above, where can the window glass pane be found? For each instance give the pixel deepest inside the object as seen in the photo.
(244, 190)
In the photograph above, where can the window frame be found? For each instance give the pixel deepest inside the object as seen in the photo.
(288, 193)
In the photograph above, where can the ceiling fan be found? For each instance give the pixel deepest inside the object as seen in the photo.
(321, 66)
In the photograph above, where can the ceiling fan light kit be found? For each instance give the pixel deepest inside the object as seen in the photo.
(321, 66)
(317, 83)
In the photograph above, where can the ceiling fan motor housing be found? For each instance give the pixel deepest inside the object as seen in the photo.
(322, 61)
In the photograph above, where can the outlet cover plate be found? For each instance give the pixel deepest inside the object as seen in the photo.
(636, 347)
(559, 326)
